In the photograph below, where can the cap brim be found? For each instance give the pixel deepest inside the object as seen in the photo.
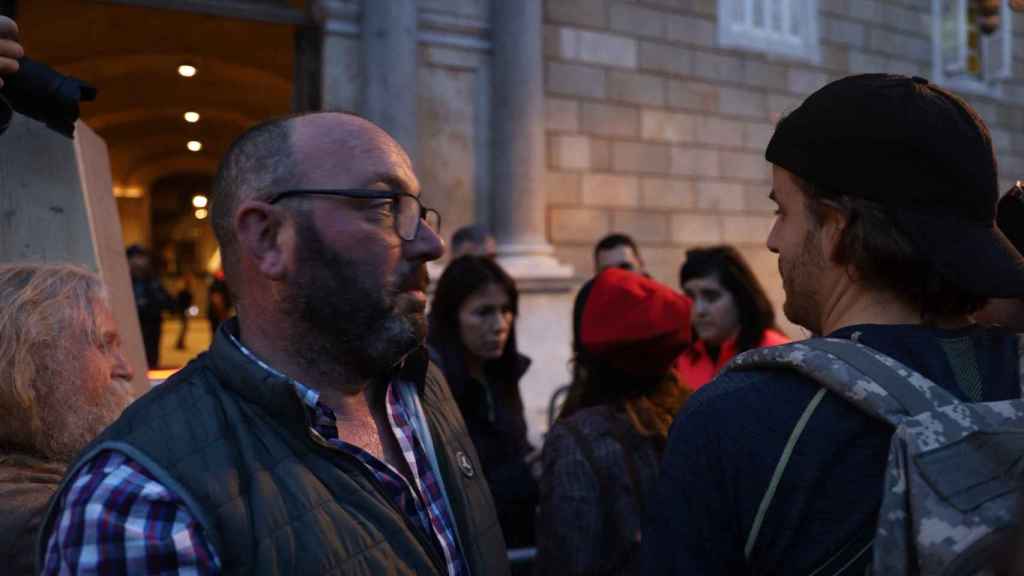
(977, 257)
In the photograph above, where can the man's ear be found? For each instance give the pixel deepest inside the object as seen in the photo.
(833, 225)
(264, 238)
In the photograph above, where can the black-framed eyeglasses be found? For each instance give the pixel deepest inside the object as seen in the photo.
(408, 209)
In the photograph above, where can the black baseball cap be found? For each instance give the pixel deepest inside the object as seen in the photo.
(918, 150)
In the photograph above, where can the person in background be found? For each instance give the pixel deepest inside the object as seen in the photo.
(182, 306)
(618, 251)
(219, 305)
(473, 240)
(601, 455)
(731, 313)
(472, 338)
(63, 378)
(150, 301)
(1008, 312)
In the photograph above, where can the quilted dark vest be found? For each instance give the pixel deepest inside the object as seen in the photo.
(233, 441)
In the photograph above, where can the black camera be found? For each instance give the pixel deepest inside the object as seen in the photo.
(42, 93)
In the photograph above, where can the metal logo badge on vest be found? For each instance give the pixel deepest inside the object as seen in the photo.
(465, 464)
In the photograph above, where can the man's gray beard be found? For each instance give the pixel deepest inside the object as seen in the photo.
(68, 425)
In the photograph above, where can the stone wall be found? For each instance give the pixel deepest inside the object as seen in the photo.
(656, 131)
(653, 128)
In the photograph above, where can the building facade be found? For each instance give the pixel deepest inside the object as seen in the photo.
(553, 122)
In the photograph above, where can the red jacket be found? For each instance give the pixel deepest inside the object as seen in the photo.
(696, 368)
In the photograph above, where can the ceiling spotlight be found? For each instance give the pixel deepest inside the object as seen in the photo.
(200, 201)
(191, 117)
(201, 213)
(187, 70)
(194, 145)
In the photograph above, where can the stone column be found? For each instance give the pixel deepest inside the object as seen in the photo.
(339, 52)
(389, 68)
(520, 204)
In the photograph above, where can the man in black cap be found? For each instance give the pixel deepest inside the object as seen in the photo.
(886, 190)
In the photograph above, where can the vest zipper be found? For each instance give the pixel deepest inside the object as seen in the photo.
(428, 542)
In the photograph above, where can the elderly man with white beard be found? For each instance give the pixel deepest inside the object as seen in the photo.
(63, 379)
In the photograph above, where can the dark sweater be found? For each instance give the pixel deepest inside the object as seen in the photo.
(725, 444)
(585, 527)
(26, 484)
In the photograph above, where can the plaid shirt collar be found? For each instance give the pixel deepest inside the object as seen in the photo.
(411, 368)
(309, 396)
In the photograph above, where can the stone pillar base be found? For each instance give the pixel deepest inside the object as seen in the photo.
(530, 263)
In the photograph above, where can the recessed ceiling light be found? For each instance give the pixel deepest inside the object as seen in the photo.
(200, 201)
(127, 191)
(191, 117)
(194, 145)
(187, 70)
(201, 214)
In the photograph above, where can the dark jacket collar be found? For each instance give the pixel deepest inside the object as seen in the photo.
(274, 394)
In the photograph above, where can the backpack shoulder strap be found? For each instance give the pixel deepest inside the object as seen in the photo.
(877, 384)
(780, 468)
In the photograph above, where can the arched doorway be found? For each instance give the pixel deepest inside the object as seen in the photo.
(166, 126)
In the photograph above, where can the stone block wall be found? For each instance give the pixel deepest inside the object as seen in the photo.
(656, 131)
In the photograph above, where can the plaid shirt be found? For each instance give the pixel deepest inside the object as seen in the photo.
(116, 518)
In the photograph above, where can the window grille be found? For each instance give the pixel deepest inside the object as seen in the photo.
(786, 27)
(963, 57)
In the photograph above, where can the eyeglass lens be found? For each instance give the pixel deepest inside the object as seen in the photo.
(409, 217)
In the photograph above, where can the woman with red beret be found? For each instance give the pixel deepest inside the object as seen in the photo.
(731, 313)
(601, 455)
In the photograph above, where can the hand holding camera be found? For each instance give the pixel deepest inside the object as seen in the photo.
(34, 89)
(10, 49)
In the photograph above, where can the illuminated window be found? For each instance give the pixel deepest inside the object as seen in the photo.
(964, 57)
(785, 27)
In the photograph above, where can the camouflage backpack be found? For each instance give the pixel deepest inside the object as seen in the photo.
(954, 468)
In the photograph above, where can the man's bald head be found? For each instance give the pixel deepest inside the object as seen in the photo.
(296, 151)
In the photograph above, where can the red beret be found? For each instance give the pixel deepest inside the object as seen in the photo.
(634, 323)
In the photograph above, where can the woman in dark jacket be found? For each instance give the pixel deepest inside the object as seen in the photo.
(601, 455)
(472, 339)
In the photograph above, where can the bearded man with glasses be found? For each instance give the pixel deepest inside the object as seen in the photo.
(314, 436)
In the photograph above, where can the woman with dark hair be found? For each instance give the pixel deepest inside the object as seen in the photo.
(601, 455)
(731, 313)
(472, 339)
